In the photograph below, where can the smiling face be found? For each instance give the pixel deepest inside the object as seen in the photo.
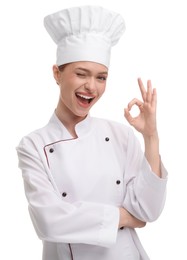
(81, 85)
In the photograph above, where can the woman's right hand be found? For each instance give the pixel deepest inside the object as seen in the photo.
(128, 220)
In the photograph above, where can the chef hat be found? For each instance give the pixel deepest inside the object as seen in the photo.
(84, 33)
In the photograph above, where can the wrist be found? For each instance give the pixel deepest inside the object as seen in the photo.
(151, 137)
(152, 152)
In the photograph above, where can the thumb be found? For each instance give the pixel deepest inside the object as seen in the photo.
(127, 115)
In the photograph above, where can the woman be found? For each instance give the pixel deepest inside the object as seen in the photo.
(87, 182)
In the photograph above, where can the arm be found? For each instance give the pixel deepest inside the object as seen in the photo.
(56, 220)
(145, 174)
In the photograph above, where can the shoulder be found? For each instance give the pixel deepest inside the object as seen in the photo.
(33, 137)
(46, 134)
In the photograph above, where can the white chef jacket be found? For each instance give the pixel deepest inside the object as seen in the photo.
(75, 186)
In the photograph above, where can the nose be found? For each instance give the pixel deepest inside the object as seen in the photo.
(90, 85)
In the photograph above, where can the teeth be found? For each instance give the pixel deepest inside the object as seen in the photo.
(82, 96)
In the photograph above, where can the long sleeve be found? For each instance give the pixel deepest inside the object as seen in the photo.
(56, 220)
(146, 192)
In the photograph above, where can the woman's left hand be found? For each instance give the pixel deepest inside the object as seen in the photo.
(145, 122)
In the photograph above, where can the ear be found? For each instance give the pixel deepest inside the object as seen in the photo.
(56, 73)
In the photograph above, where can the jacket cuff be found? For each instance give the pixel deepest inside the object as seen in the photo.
(109, 226)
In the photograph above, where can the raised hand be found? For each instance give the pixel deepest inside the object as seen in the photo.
(145, 122)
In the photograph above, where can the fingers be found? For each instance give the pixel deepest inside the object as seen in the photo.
(154, 97)
(136, 102)
(148, 96)
(128, 220)
(149, 92)
(128, 116)
(142, 89)
(127, 110)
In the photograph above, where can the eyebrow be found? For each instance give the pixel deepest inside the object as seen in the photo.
(86, 70)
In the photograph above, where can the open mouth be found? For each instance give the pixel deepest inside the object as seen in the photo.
(84, 99)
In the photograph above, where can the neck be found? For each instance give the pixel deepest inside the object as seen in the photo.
(68, 119)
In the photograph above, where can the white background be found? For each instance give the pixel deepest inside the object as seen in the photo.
(154, 47)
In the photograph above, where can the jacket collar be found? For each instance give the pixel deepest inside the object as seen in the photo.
(82, 128)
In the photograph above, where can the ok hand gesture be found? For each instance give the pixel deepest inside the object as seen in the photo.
(145, 122)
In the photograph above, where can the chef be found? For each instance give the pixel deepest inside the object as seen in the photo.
(88, 183)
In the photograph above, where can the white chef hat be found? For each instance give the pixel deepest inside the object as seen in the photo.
(84, 33)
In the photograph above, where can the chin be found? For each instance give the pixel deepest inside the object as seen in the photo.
(79, 113)
(83, 115)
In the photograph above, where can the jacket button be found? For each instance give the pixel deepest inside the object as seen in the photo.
(51, 150)
(118, 182)
(64, 194)
(107, 139)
